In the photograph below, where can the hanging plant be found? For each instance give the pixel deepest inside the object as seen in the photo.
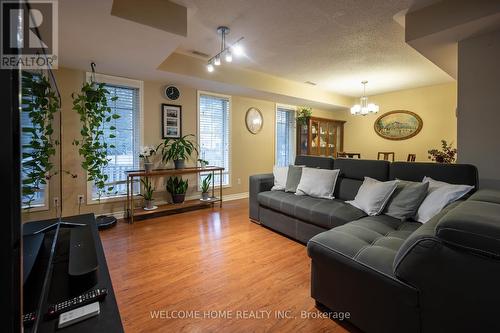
(91, 104)
(40, 103)
(303, 115)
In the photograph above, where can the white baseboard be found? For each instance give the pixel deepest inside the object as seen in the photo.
(229, 197)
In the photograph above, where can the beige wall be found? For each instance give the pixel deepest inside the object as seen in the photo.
(250, 153)
(434, 104)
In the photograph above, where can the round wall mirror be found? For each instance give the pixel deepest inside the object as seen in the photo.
(254, 120)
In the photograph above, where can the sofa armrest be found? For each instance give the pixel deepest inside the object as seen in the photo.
(258, 183)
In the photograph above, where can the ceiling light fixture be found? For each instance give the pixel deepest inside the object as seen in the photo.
(364, 108)
(226, 51)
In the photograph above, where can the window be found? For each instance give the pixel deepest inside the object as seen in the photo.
(125, 155)
(213, 132)
(285, 135)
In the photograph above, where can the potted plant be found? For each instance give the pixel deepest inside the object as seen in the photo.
(205, 186)
(177, 188)
(148, 193)
(178, 150)
(446, 155)
(303, 115)
(146, 153)
(91, 104)
(203, 163)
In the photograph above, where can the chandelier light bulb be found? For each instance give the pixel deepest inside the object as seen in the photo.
(229, 56)
(210, 68)
(237, 50)
(217, 61)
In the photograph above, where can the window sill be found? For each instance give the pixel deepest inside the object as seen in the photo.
(116, 198)
(36, 208)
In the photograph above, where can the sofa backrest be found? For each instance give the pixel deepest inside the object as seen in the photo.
(314, 161)
(353, 172)
(463, 174)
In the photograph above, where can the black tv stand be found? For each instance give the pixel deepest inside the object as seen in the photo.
(77, 265)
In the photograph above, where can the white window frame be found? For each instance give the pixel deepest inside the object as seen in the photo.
(120, 81)
(229, 154)
(294, 131)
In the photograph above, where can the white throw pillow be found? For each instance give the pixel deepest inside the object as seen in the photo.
(280, 174)
(318, 183)
(373, 195)
(439, 195)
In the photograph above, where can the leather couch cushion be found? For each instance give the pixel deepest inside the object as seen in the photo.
(372, 241)
(474, 226)
(314, 161)
(353, 172)
(462, 174)
(487, 195)
(322, 212)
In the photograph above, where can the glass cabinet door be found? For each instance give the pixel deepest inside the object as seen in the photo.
(323, 138)
(332, 139)
(314, 138)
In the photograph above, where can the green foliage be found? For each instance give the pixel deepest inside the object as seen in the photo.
(40, 102)
(203, 163)
(303, 115)
(205, 184)
(446, 155)
(178, 149)
(148, 188)
(91, 104)
(177, 185)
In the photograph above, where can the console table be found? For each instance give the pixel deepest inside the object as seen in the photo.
(131, 175)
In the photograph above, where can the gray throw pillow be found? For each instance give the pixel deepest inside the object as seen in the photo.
(293, 178)
(406, 199)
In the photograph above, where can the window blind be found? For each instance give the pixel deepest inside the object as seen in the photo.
(125, 155)
(38, 199)
(213, 133)
(285, 135)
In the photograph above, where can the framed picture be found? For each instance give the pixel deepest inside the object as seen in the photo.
(171, 121)
(398, 125)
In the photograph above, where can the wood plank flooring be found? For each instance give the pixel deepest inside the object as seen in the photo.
(196, 263)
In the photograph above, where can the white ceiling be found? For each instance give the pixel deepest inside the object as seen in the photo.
(336, 44)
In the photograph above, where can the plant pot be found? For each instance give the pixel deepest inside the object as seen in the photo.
(204, 195)
(178, 198)
(179, 164)
(148, 166)
(148, 204)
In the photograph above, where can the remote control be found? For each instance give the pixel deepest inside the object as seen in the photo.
(89, 297)
(29, 318)
(78, 314)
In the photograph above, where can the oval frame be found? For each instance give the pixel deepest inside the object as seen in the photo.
(261, 118)
(413, 114)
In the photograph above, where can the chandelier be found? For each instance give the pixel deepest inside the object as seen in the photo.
(364, 108)
(226, 51)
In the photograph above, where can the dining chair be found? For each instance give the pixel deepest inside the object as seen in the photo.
(385, 155)
(411, 157)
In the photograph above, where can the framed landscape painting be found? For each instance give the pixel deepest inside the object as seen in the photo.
(398, 125)
(171, 121)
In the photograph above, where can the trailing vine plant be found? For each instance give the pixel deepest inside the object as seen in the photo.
(91, 104)
(39, 103)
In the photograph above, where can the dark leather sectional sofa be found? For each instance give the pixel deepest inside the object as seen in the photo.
(392, 275)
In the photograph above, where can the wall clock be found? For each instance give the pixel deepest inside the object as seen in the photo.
(254, 120)
(171, 92)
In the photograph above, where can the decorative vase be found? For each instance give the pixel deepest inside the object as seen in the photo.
(204, 196)
(179, 164)
(148, 166)
(148, 204)
(178, 198)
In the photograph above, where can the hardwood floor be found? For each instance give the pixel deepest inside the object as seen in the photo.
(214, 261)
